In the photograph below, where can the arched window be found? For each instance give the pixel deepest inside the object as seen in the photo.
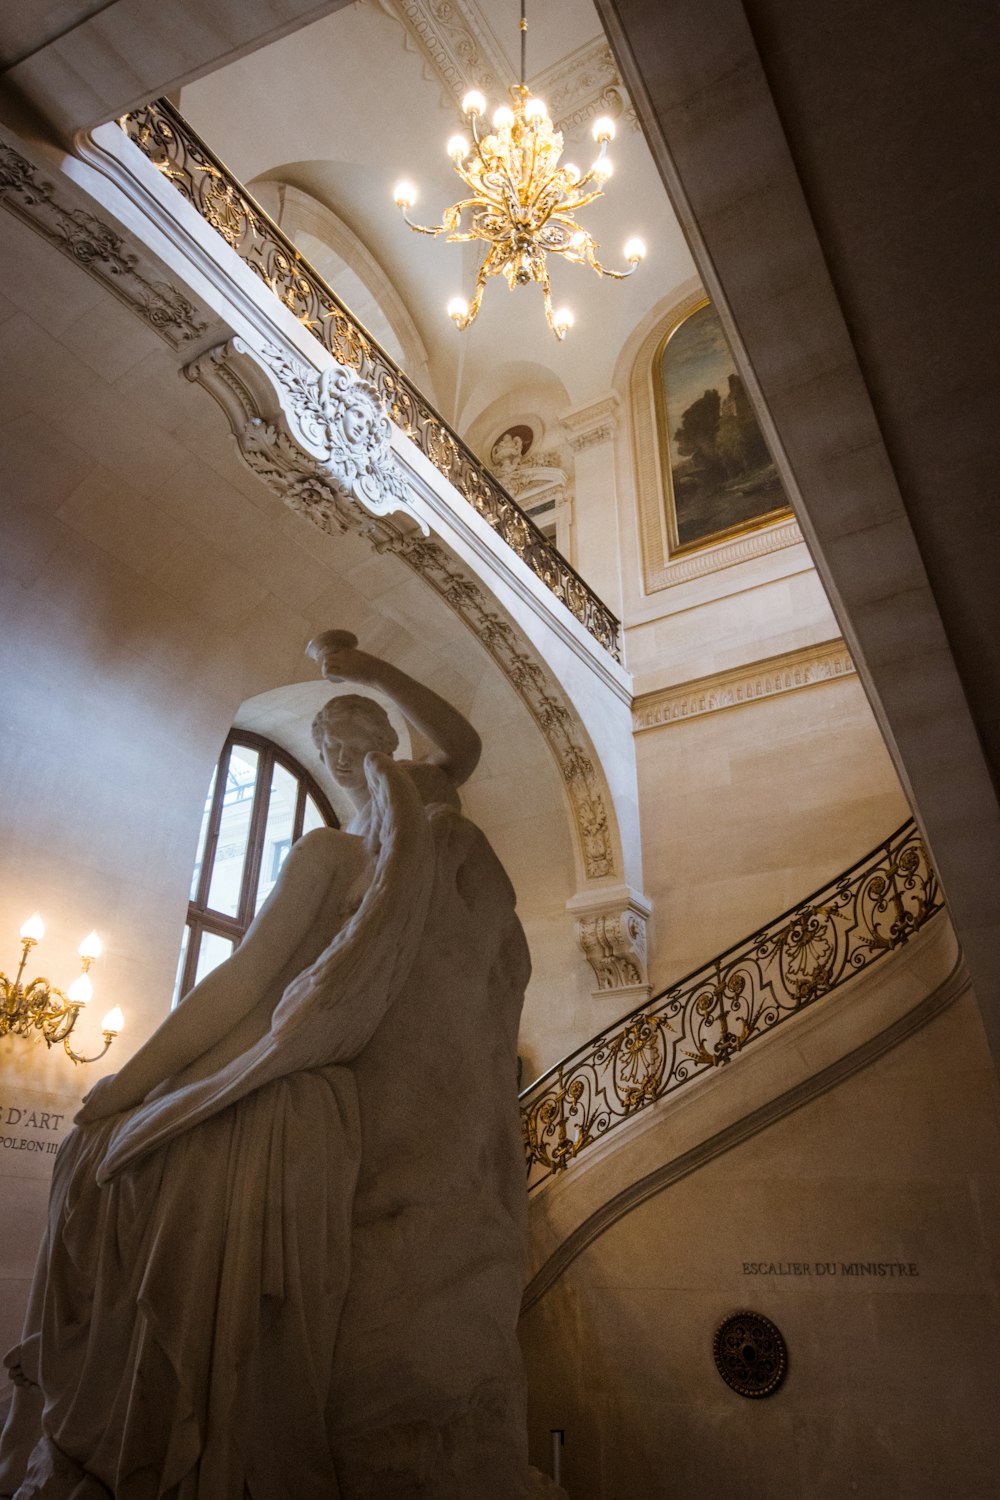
(259, 802)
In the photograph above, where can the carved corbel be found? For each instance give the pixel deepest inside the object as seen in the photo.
(611, 928)
(298, 427)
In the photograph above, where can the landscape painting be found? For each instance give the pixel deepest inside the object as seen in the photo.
(723, 480)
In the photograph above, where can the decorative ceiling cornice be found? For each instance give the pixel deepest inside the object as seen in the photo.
(459, 45)
(582, 86)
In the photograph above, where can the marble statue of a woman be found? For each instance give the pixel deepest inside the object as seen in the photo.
(283, 1258)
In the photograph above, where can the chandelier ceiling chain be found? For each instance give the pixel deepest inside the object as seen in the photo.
(522, 203)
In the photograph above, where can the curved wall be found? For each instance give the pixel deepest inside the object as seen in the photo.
(861, 1225)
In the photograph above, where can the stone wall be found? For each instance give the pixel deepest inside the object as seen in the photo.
(864, 1226)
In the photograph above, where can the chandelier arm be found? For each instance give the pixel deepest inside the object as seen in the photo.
(477, 141)
(534, 163)
(549, 313)
(59, 1025)
(604, 271)
(573, 204)
(468, 179)
(486, 269)
(424, 228)
(109, 1037)
(41, 999)
(26, 946)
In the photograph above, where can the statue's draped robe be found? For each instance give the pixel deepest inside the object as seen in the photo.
(223, 1310)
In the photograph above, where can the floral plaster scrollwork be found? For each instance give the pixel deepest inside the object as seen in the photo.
(339, 421)
(97, 247)
(317, 440)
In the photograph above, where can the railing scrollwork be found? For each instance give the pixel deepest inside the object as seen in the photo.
(166, 138)
(704, 1020)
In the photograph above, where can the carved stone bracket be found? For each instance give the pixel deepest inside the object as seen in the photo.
(295, 422)
(588, 426)
(611, 928)
(320, 440)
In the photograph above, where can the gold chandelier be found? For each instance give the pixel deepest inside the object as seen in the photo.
(38, 1007)
(523, 204)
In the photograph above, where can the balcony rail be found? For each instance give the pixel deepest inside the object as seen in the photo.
(699, 1023)
(166, 138)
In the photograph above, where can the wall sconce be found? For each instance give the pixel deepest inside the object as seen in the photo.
(39, 1006)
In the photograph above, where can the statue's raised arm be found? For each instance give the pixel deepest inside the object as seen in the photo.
(458, 745)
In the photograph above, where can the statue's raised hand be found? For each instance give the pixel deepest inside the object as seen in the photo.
(339, 658)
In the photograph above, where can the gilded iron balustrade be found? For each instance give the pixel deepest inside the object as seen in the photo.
(701, 1022)
(171, 145)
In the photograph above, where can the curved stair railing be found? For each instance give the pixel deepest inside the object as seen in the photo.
(699, 1023)
(170, 143)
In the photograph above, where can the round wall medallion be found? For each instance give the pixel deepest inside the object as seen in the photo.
(750, 1354)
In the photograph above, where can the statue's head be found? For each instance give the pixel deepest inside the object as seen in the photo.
(344, 731)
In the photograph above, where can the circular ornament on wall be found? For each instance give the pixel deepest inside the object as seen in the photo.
(750, 1354)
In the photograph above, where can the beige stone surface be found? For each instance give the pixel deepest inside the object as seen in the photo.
(754, 808)
(883, 1168)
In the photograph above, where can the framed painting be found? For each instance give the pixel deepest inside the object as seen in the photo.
(719, 477)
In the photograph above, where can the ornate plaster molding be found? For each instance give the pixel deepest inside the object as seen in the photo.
(738, 549)
(95, 246)
(297, 430)
(326, 424)
(460, 47)
(740, 685)
(611, 929)
(591, 425)
(582, 86)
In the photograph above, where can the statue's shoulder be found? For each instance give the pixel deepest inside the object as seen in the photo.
(433, 784)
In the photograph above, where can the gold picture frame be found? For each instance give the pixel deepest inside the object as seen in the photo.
(718, 478)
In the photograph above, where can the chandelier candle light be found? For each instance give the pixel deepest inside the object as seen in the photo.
(523, 203)
(39, 1007)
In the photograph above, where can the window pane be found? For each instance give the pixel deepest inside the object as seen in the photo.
(312, 817)
(234, 828)
(278, 831)
(178, 979)
(202, 837)
(211, 953)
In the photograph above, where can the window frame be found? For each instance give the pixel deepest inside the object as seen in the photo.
(201, 918)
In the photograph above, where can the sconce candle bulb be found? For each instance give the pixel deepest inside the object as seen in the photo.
(91, 947)
(81, 991)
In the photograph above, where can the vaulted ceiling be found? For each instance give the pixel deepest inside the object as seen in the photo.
(346, 107)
